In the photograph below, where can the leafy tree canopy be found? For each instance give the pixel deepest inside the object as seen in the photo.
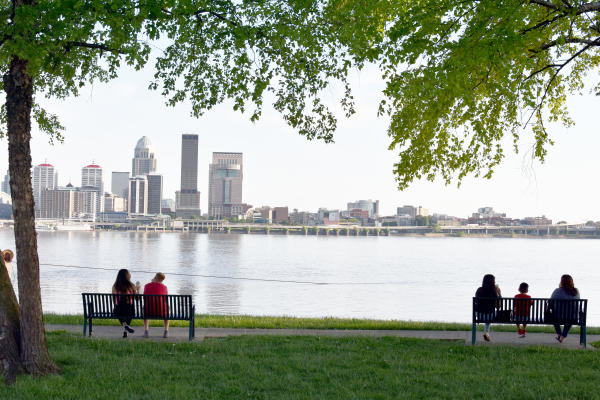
(207, 50)
(463, 74)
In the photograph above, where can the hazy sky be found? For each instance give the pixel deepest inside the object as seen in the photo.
(283, 168)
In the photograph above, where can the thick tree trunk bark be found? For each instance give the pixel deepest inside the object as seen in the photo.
(18, 85)
(10, 362)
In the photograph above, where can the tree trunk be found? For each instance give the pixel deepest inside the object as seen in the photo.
(10, 362)
(18, 85)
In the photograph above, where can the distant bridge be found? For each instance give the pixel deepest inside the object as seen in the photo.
(356, 230)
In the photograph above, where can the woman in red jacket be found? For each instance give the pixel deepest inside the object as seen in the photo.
(156, 306)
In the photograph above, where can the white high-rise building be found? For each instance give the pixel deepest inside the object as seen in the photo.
(138, 195)
(91, 175)
(143, 162)
(91, 179)
(44, 176)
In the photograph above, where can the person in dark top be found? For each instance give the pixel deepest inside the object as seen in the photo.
(124, 309)
(565, 291)
(486, 303)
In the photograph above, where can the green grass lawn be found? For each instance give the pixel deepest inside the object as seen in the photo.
(252, 322)
(263, 367)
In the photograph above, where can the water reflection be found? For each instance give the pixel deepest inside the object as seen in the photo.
(430, 278)
(223, 258)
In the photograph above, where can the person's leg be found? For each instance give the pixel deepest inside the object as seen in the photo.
(524, 328)
(126, 325)
(166, 332)
(566, 330)
(558, 330)
(146, 327)
(486, 333)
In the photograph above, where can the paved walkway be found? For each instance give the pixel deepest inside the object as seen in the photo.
(181, 334)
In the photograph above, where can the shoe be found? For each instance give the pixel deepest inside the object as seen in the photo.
(558, 339)
(522, 335)
(128, 329)
(165, 334)
(561, 339)
(486, 337)
(145, 335)
(124, 335)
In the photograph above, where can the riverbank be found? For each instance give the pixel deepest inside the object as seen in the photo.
(296, 367)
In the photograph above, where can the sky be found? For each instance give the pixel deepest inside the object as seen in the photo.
(282, 168)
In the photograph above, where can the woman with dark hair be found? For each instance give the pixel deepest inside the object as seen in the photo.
(124, 310)
(8, 256)
(565, 291)
(487, 303)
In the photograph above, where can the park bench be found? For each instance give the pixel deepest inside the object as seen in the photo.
(543, 311)
(146, 306)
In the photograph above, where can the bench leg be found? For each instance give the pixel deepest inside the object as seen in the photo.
(90, 327)
(191, 331)
(583, 336)
(473, 333)
(84, 326)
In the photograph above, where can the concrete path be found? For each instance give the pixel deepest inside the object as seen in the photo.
(181, 335)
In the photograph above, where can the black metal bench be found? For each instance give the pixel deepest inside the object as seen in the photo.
(543, 311)
(145, 306)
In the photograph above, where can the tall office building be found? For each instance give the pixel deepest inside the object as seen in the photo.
(58, 203)
(226, 174)
(120, 184)
(91, 178)
(372, 207)
(44, 176)
(143, 162)
(155, 185)
(138, 195)
(91, 175)
(187, 200)
(114, 203)
(6, 182)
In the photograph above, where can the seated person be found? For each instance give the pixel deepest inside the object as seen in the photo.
(156, 306)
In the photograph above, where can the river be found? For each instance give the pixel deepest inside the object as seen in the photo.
(407, 278)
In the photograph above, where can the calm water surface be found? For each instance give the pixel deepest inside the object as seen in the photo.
(408, 278)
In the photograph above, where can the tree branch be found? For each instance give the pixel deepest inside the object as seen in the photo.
(584, 8)
(560, 67)
(95, 46)
(569, 40)
(547, 4)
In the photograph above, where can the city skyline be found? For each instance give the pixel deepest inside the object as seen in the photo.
(311, 175)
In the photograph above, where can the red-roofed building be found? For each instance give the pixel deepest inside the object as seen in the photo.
(91, 177)
(44, 176)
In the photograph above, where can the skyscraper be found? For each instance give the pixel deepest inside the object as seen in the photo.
(226, 174)
(143, 162)
(120, 184)
(44, 176)
(188, 198)
(57, 203)
(91, 178)
(91, 175)
(6, 182)
(155, 184)
(138, 195)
